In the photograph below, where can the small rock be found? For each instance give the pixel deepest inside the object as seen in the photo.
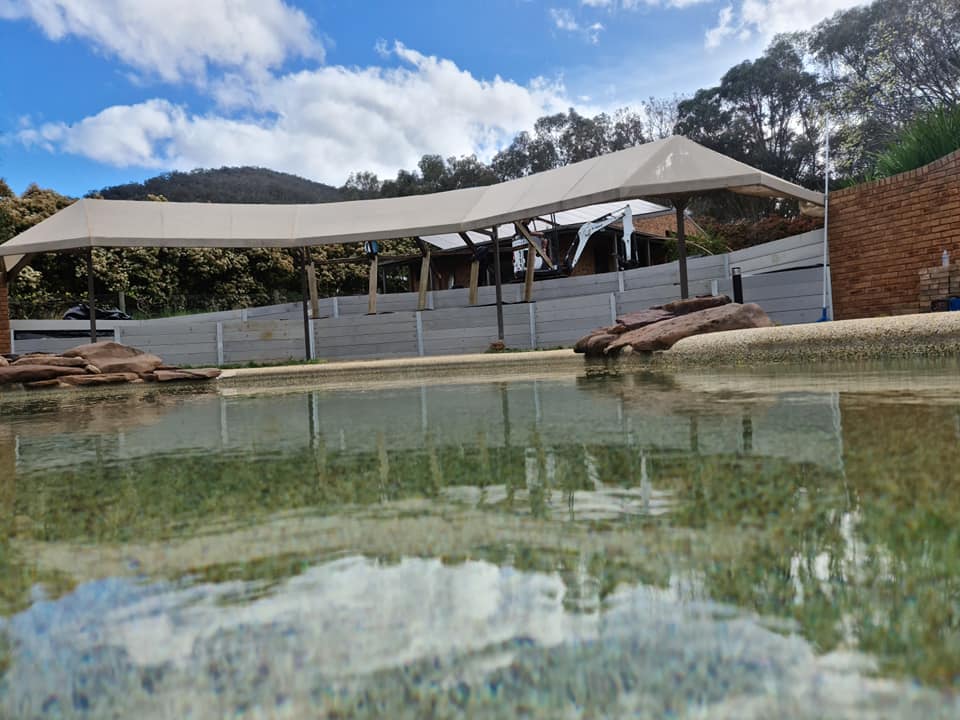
(3, 361)
(92, 369)
(148, 376)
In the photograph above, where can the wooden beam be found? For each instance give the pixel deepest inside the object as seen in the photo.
(522, 229)
(468, 242)
(424, 281)
(473, 298)
(91, 297)
(372, 288)
(474, 282)
(312, 286)
(528, 277)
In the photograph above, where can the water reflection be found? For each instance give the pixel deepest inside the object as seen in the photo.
(813, 514)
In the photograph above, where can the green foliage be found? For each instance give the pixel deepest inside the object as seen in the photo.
(884, 63)
(226, 184)
(928, 138)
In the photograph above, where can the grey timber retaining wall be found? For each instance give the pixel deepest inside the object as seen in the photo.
(783, 277)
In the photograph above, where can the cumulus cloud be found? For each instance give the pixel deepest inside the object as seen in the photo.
(178, 40)
(322, 123)
(766, 18)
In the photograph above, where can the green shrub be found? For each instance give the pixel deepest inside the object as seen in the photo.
(926, 139)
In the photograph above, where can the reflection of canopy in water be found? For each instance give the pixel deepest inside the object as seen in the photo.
(799, 427)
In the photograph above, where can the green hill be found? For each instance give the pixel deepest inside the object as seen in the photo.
(226, 184)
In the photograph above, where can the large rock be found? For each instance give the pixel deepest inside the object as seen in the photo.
(684, 307)
(32, 373)
(637, 320)
(111, 357)
(662, 335)
(49, 360)
(101, 379)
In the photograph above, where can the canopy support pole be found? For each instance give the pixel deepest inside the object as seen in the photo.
(497, 281)
(680, 204)
(304, 286)
(372, 287)
(91, 297)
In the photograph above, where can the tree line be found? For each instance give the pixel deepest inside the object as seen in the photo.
(867, 75)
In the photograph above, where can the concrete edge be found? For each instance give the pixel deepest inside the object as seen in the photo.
(415, 366)
(903, 336)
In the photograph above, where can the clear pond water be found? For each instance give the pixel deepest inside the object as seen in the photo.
(760, 543)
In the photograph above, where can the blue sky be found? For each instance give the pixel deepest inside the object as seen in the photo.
(98, 92)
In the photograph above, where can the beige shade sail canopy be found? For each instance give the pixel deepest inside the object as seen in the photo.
(672, 167)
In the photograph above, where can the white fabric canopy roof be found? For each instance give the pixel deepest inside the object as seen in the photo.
(448, 241)
(673, 166)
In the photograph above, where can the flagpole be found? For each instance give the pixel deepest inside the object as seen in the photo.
(824, 316)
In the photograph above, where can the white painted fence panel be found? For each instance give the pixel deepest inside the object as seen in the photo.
(564, 310)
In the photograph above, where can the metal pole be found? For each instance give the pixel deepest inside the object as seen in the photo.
(824, 316)
(680, 205)
(306, 313)
(91, 298)
(496, 279)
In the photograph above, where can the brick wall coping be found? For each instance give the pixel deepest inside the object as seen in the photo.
(914, 174)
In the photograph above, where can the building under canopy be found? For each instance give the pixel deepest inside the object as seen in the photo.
(672, 169)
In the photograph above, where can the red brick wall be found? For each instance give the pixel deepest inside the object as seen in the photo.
(883, 233)
(4, 312)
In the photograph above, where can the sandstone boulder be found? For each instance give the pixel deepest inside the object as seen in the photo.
(101, 379)
(49, 360)
(663, 335)
(683, 307)
(195, 374)
(637, 320)
(111, 357)
(45, 384)
(3, 361)
(33, 373)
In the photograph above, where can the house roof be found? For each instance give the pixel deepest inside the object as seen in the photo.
(674, 166)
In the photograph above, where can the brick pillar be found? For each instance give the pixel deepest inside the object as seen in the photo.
(4, 312)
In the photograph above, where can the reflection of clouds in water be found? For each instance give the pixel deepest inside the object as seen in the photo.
(417, 629)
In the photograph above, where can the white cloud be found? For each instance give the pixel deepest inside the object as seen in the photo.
(178, 40)
(766, 18)
(322, 123)
(564, 20)
(635, 4)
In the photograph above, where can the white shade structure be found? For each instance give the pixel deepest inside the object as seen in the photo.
(668, 168)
